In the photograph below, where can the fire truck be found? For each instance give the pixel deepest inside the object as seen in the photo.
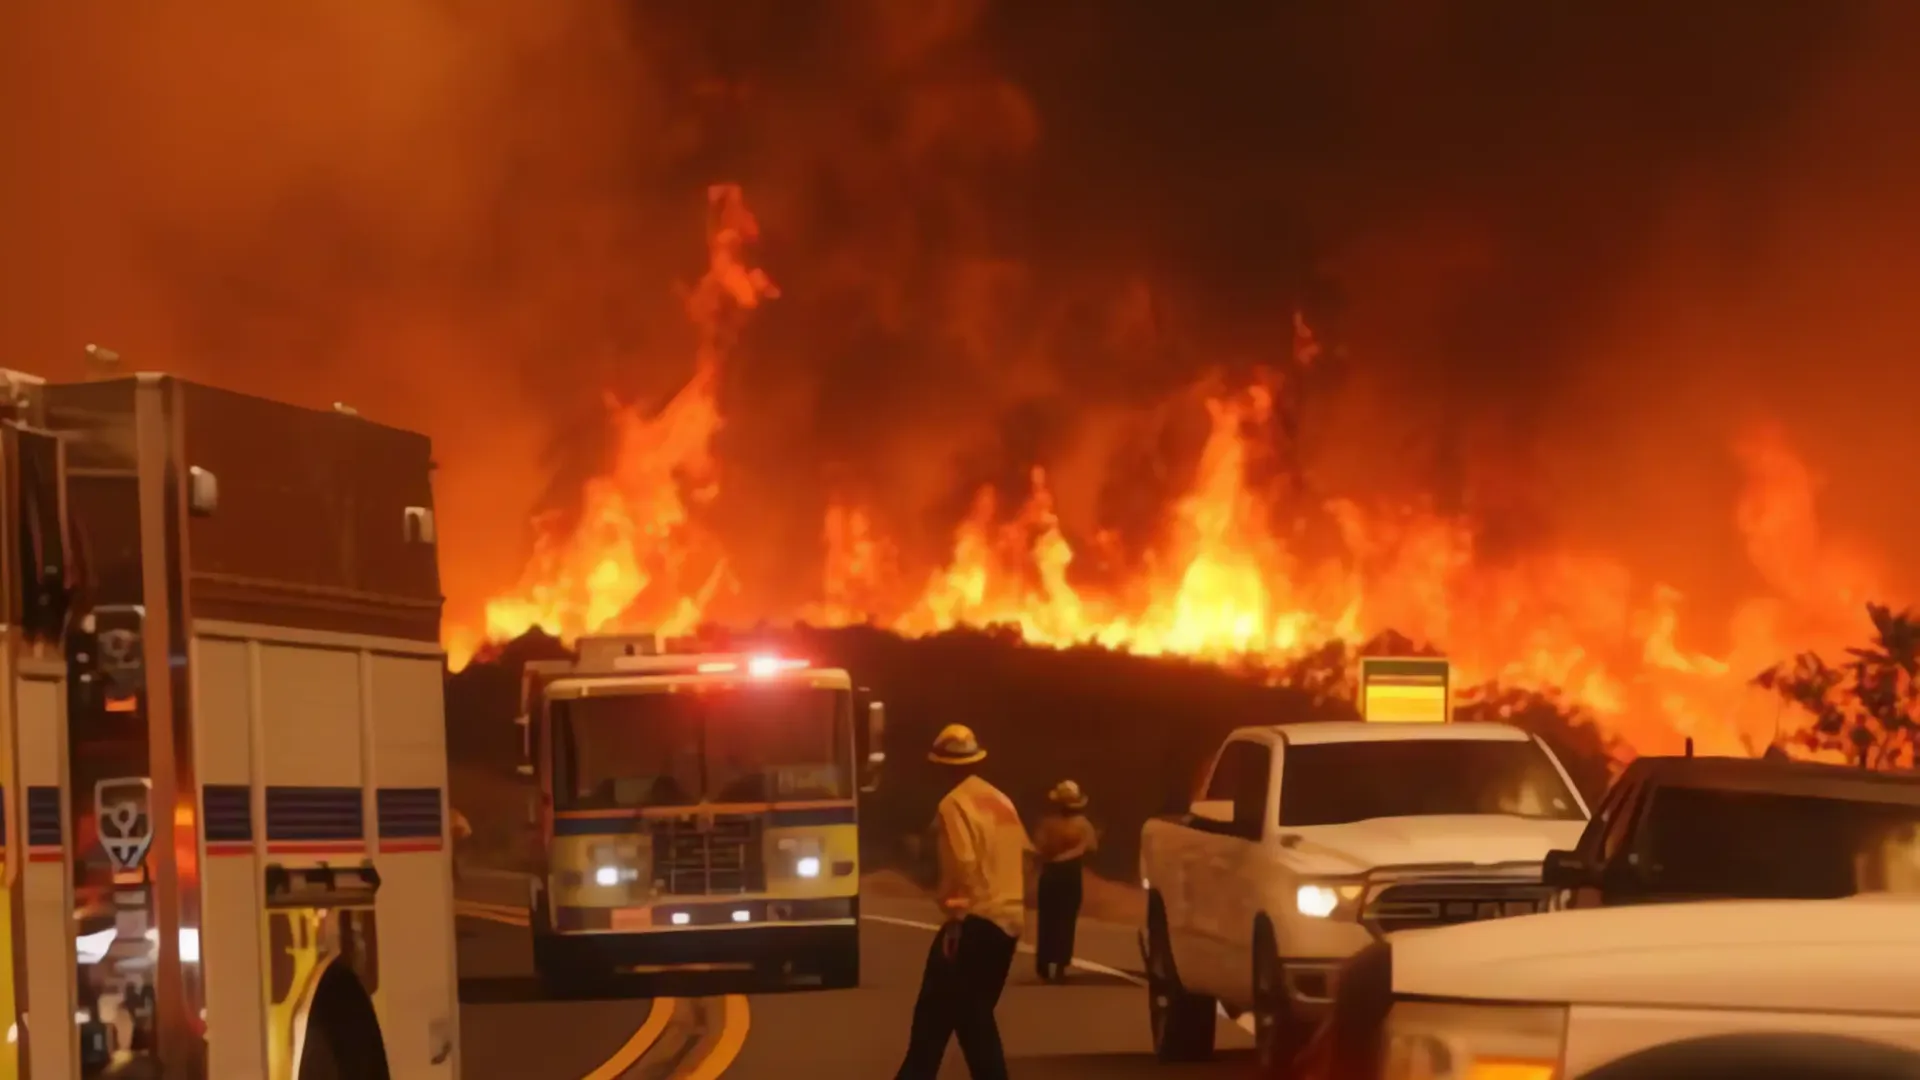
(221, 740)
(696, 808)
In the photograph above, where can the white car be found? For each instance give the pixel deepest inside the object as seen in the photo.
(1312, 840)
(1805, 988)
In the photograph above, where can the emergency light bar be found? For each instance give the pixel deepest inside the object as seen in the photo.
(758, 666)
(1405, 690)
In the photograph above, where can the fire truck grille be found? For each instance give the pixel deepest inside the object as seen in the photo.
(713, 856)
(1416, 905)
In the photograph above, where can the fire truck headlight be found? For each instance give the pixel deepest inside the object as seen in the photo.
(807, 866)
(618, 864)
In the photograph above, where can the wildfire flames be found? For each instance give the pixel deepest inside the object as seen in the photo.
(1227, 575)
(636, 554)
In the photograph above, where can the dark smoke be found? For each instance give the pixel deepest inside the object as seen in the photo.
(1564, 252)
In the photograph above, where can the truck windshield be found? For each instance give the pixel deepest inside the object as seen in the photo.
(1766, 845)
(725, 744)
(1337, 783)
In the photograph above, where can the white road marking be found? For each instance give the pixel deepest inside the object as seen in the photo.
(1245, 1023)
(1084, 965)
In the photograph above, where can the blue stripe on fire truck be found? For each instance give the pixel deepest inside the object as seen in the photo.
(410, 819)
(810, 816)
(44, 834)
(777, 818)
(307, 820)
(595, 826)
(315, 820)
(228, 820)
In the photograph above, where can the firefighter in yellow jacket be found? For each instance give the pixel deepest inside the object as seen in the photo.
(982, 893)
(1064, 838)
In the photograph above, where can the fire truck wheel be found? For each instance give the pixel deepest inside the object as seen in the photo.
(563, 976)
(558, 978)
(343, 1033)
(841, 970)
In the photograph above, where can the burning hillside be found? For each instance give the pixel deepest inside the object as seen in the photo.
(1594, 381)
(1244, 565)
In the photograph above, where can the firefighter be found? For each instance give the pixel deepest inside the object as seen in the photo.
(462, 831)
(1063, 840)
(982, 894)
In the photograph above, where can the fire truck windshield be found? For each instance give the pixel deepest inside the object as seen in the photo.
(735, 743)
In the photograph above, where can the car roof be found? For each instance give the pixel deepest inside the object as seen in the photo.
(1777, 776)
(1351, 731)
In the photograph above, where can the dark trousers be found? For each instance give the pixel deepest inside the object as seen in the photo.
(1059, 904)
(957, 997)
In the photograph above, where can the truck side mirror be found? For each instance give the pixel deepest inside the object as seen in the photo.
(1218, 811)
(876, 747)
(1565, 870)
(525, 768)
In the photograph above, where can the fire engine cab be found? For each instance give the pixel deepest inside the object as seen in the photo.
(696, 808)
(221, 739)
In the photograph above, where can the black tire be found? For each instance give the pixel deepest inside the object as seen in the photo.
(343, 1040)
(556, 976)
(1182, 1023)
(560, 973)
(319, 1060)
(841, 970)
(1278, 1036)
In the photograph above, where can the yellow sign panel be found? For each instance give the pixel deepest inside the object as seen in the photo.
(1405, 690)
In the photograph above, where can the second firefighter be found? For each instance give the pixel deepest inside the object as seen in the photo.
(1062, 841)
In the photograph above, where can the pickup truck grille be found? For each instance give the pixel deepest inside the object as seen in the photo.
(1415, 905)
(711, 856)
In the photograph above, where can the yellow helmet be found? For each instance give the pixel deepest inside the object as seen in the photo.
(1067, 795)
(955, 745)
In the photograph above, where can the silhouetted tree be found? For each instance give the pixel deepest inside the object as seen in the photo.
(1866, 707)
(1590, 755)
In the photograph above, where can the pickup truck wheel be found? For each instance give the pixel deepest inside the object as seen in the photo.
(1183, 1023)
(1278, 1036)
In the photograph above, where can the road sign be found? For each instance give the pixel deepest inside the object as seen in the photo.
(1406, 689)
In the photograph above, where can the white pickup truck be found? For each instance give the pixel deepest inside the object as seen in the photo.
(1804, 970)
(1754, 989)
(1312, 840)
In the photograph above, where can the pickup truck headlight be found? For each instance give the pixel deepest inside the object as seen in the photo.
(1327, 899)
(1446, 1041)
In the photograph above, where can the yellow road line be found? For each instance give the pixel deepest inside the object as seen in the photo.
(642, 1041)
(658, 1016)
(500, 917)
(517, 909)
(513, 908)
(734, 1023)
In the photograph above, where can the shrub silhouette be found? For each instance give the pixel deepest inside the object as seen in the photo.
(1866, 708)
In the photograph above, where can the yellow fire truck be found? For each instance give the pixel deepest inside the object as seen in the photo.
(221, 740)
(696, 809)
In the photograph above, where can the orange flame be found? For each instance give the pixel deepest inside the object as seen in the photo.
(1225, 578)
(1224, 585)
(635, 552)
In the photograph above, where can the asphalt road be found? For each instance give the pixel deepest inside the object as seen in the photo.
(713, 1026)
